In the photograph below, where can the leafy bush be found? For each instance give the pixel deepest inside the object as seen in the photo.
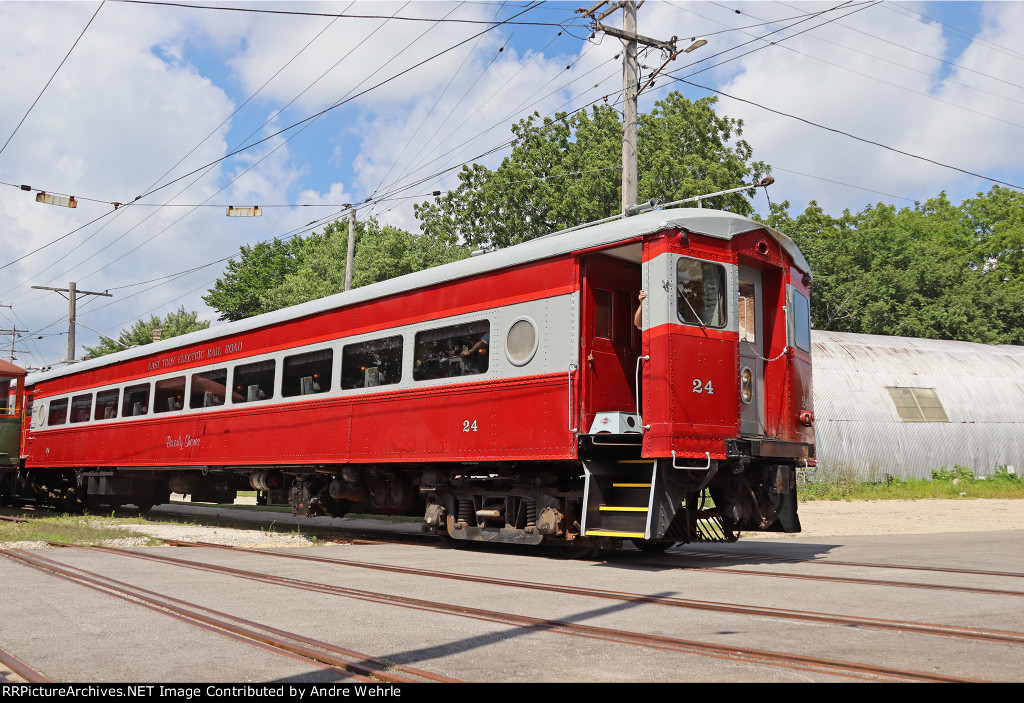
(959, 473)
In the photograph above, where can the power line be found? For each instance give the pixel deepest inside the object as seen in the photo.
(332, 107)
(331, 14)
(852, 136)
(875, 37)
(206, 168)
(955, 30)
(894, 85)
(82, 34)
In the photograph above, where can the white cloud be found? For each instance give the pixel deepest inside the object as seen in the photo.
(146, 84)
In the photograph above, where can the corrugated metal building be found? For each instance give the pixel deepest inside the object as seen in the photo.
(904, 406)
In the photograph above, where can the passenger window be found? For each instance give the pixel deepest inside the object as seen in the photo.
(136, 400)
(374, 363)
(58, 412)
(700, 293)
(253, 382)
(81, 407)
(306, 374)
(208, 389)
(169, 395)
(801, 321)
(106, 404)
(459, 350)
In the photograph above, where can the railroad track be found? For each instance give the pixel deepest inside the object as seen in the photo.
(350, 665)
(999, 636)
(20, 669)
(664, 643)
(836, 562)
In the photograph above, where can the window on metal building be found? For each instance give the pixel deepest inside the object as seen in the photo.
(917, 404)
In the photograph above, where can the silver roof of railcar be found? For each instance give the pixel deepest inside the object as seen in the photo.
(712, 223)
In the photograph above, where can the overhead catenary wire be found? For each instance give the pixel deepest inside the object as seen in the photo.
(32, 106)
(243, 148)
(334, 106)
(944, 79)
(780, 45)
(903, 10)
(299, 13)
(382, 200)
(852, 136)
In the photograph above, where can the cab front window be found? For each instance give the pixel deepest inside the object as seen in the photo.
(701, 293)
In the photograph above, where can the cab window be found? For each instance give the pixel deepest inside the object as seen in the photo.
(701, 293)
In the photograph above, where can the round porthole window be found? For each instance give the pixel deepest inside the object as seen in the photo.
(522, 341)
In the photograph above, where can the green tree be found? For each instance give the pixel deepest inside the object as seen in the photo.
(172, 325)
(935, 270)
(566, 171)
(381, 252)
(238, 294)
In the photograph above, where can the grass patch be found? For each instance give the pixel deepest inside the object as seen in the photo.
(838, 481)
(72, 529)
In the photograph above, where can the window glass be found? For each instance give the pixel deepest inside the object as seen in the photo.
(208, 389)
(106, 404)
(602, 314)
(801, 321)
(374, 363)
(136, 400)
(700, 293)
(747, 311)
(81, 407)
(305, 374)
(169, 395)
(252, 382)
(58, 412)
(917, 404)
(458, 350)
(521, 342)
(6, 401)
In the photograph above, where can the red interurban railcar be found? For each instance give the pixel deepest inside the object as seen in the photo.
(506, 397)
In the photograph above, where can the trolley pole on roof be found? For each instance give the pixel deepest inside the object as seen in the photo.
(351, 247)
(73, 293)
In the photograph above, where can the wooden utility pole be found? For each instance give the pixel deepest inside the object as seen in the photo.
(631, 83)
(73, 294)
(351, 248)
(15, 333)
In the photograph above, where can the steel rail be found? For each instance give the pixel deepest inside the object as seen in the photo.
(730, 652)
(955, 631)
(364, 668)
(859, 581)
(21, 669)
(830, 562)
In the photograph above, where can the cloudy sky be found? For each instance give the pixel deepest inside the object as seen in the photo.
(341, 102)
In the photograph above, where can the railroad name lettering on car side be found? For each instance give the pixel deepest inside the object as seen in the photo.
(182, 442)
(208, 353)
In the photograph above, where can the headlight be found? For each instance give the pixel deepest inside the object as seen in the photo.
(746, 385)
